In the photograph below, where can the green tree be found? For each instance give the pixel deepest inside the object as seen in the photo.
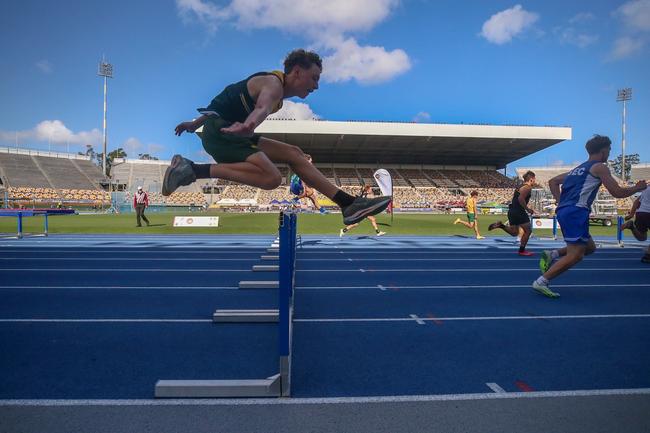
(617, 164)
(147, 156)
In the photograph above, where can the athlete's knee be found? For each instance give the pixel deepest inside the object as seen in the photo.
(577, 256)
(294, 153)
(271, 181)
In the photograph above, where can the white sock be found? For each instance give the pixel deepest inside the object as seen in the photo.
(555, 254)
(541, 280)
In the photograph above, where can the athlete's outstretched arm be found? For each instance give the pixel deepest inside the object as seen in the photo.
(602, 171)
(190, 126)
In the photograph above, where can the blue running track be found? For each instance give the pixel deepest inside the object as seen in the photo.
(105, 317)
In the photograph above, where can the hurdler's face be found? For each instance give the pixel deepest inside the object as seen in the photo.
(308, 80)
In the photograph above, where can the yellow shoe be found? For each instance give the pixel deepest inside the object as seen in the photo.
(457, 221)
(480, 237)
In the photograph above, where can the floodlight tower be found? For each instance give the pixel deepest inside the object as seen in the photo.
(624, 95)
(106, 71)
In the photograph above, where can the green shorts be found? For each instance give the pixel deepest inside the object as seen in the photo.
(225, 148)
(471, 217)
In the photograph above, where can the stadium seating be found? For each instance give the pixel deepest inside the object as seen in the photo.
(46, 179)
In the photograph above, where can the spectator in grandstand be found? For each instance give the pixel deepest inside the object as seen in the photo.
(518, 211)
(229, 124)
(140, 202)
(366, 191)
(579, 190)
(472, 215)
(301, 190)
(641, 223)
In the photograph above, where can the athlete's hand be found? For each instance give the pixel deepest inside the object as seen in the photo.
(185, 126)
(239, 129)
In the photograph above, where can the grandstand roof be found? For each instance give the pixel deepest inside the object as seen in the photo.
(414, 143)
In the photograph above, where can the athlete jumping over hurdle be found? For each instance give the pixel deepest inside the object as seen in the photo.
(579, 189)
(228, 135)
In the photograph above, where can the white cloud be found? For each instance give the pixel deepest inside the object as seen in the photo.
(572, 36)
(294, 111)
(635, 15)
(635, 18)
(133, 147)
(45, 66)
(625, 47)
(582, 17)
(503, 26)
(557, 163)
(54, 132)
(325, 24)
(367, 65)
(334, 16)
(422, 116)
(206, 13)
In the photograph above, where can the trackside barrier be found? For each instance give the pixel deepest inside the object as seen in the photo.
(22, 213)
(278, 385)
(543, 223)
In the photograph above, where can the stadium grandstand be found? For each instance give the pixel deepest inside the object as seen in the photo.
(35, 178)
(640, 172)
(433, 166)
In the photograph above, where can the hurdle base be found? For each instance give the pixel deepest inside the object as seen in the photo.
(270, 387)
(245, 316)
(266, 268)
(259, 284)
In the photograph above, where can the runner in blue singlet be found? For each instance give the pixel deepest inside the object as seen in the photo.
(579, 190)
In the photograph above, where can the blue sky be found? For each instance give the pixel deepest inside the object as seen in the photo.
(498, 62)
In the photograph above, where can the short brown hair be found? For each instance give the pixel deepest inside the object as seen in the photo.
(529, 174)
(302, 58)
(597, 143)
(473, 193)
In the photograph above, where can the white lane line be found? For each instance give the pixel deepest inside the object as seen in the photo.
(105, 321)
(462, 270)
(380, 286)
(169, 249)
(329, 400)
(366, 320)
(120, 270)
(496, 388)
(417, 319)
(462, 286)
(124, 287)
(480, 318)
(129, 259)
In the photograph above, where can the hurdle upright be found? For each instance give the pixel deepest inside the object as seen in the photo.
(278, 385)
